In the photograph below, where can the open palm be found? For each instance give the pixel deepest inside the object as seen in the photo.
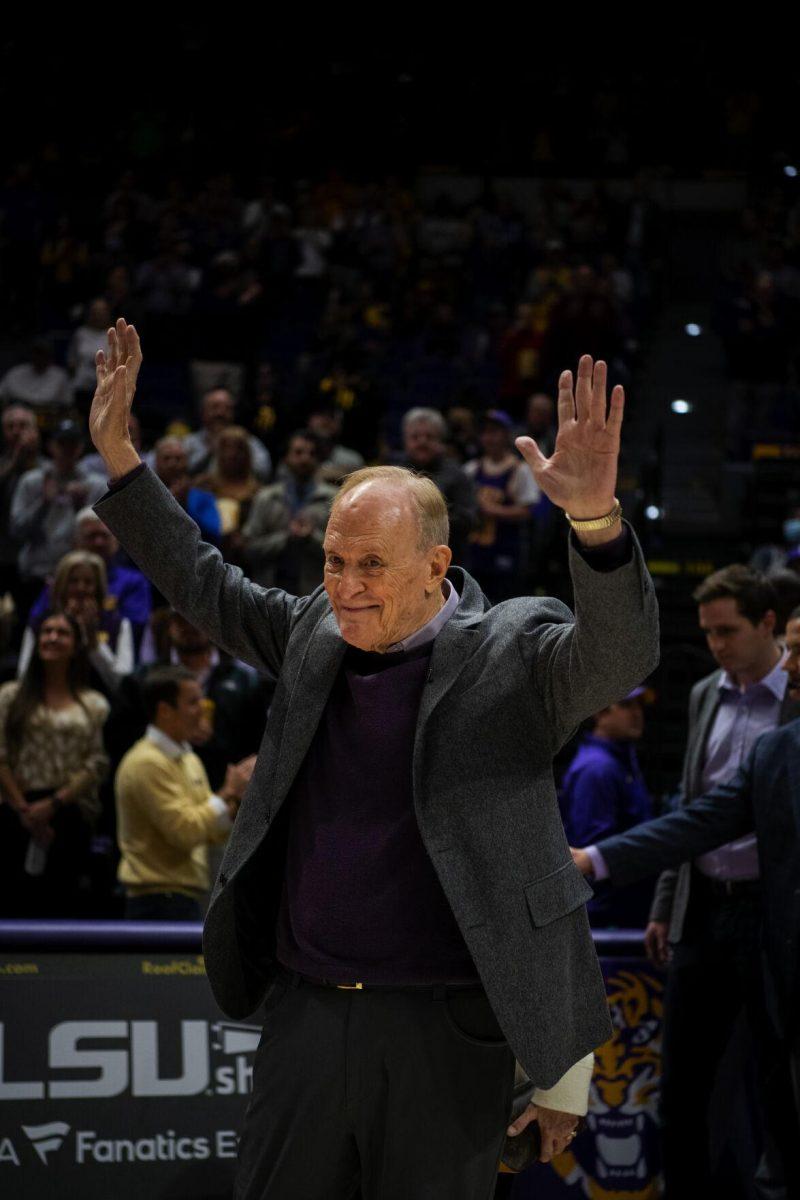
(581, 474)
(117, 372)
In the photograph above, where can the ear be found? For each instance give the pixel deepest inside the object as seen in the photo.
(768, 620)
(438, 563)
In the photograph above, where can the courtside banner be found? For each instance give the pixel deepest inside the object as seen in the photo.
(118, 1077)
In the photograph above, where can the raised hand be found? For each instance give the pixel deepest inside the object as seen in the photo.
(117, 371)
(581, 474)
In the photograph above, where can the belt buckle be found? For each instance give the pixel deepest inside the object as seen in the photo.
(350, 987)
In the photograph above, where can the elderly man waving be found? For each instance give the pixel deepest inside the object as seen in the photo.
(397, 891)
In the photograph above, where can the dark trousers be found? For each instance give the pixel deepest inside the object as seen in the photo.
(385, 1095)
(162, 906)
(716, 976)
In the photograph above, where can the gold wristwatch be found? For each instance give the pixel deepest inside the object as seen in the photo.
(592, 523)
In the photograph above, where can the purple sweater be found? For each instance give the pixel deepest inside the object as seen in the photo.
(361, 900)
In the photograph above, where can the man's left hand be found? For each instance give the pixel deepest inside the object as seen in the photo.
(581, 474)
(558, 1129)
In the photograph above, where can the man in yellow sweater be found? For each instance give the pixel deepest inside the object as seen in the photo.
(167, 814)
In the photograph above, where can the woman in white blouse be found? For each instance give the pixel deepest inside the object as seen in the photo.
(52, 761)
(80, 588)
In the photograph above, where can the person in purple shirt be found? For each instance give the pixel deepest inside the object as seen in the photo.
(126, 585)
(603, 792)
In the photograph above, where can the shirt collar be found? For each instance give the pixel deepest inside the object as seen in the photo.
(427, 632)
(776, 681)
(170, 747)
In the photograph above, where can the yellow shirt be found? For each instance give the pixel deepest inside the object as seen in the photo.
(166, 816)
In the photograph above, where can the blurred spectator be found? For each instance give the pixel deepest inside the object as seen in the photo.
(170, 466)
(284, 532)
(235, 701)
(167, 815)
(38, 382)
(233, 484)
(20, 455)
(540, 422)
(128, 592)
(424, 434)
(217, 412)
(603, 792)
(336, 461)
(87, 339)
(51, 764)
(80, 589)
(44, 506)
(507, 495)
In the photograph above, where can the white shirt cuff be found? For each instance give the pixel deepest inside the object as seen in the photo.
(221, 809)
(571, 1093)
(599, 869)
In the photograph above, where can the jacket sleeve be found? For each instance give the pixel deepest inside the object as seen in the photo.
(583, 663)
(247, 621)
(723, 814)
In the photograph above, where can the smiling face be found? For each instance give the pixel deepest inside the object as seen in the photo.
(381, 586)
(81, 583)
(56, 640)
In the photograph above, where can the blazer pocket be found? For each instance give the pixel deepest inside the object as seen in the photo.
(557, 894)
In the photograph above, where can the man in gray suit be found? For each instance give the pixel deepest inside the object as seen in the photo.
(398, 883)
(707, 909)
(764, 795)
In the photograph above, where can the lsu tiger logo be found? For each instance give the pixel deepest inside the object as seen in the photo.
(617, 1157)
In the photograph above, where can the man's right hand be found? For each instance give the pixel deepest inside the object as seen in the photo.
(582, 861)
(656, 944)
(117, 372)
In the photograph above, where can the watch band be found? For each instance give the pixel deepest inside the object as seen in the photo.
(592, 523)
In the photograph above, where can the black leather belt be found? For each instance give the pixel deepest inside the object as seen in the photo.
(437, 991)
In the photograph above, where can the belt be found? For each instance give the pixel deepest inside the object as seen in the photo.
(731, 887)
(436, 991)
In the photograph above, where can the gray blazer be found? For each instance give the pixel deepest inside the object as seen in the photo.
(763, 795)
(671, 898)
(507, 685)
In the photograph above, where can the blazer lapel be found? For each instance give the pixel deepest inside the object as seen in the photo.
(705, 719)
(314, 682)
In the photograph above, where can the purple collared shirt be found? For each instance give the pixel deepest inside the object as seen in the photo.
(743, 715)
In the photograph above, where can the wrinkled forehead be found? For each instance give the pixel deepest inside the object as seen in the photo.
(376, 514)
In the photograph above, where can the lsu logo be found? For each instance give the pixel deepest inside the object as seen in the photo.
(617, 1158)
